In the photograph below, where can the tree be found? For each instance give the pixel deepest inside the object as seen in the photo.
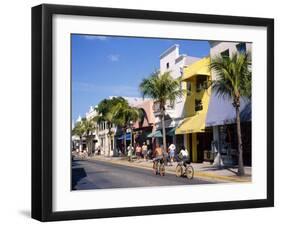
(79, 130)
(161, 88)
(124, 116)
(106, 111)
(89, 127)
(84, 128)
(233, 81)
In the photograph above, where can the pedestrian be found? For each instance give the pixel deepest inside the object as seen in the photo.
(130, 152)
(138, 151)
(144, 151)
(172, 149)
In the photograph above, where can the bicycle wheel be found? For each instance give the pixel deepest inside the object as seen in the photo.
(162, 169)
(178, 171)
(189, 172)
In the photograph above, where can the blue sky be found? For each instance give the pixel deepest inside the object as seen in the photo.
(105, 66)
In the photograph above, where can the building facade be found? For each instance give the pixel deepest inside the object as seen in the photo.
(196, 79)
(172, 61)
(101, 140)
(221, 117)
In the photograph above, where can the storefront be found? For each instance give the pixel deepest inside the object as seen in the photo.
(221, 119)
(197, 139)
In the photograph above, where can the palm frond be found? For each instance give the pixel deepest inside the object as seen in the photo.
(161, 87)
(233, 75)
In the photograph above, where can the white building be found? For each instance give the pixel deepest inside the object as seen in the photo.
(174, 62)
(221, 114)
(101, 134)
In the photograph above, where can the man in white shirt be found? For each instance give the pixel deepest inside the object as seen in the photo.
(184, 156)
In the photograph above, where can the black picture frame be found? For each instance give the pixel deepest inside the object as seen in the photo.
(42, 111)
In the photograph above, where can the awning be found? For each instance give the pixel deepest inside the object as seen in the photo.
(171, 132)
(156, 133)
(194, 124)
(200, 67)
(128, 137)
(221, 111)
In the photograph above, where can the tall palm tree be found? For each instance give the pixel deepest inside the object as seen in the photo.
(161, 88)
(124, 116)
(234, 82)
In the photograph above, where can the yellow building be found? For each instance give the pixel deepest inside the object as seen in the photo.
(196, 81)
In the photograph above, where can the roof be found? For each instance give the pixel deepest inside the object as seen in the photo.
(168, 51)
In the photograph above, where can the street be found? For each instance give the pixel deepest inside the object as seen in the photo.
(97, 175)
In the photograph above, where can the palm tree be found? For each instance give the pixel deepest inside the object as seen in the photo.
(79, 130)
(234, 82)
(89, 127)
(162, 88)
(125, 116)
(106, 111)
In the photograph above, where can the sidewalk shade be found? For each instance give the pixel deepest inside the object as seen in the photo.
(216, 116)
(171, 132)
(194, 124)
(156, 133)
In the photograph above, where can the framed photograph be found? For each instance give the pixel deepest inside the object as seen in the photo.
(145, 112)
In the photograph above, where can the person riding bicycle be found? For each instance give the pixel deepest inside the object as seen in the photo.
(184, 156)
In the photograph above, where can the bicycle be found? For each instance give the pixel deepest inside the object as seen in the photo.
(185, 169)
(159, 167)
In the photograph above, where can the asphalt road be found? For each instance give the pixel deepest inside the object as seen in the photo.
(97, 175)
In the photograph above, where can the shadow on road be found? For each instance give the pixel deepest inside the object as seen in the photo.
(77, 175)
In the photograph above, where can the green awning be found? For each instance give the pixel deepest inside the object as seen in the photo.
(171, 132)
(156, 133)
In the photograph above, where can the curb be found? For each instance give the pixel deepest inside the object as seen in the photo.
(198, 174)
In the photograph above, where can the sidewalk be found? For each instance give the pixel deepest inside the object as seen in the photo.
(201, 170)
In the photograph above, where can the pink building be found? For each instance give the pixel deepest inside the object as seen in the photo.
(146, 125)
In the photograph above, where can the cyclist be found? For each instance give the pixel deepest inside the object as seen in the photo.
(158, 153)
(158, 161)
(184, 156)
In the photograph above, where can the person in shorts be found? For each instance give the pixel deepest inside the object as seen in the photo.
(144, 151)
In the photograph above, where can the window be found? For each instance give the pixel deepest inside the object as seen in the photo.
(241, 47)
(167, 65)
(198, 105)
(200, 83)
(225, 53)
